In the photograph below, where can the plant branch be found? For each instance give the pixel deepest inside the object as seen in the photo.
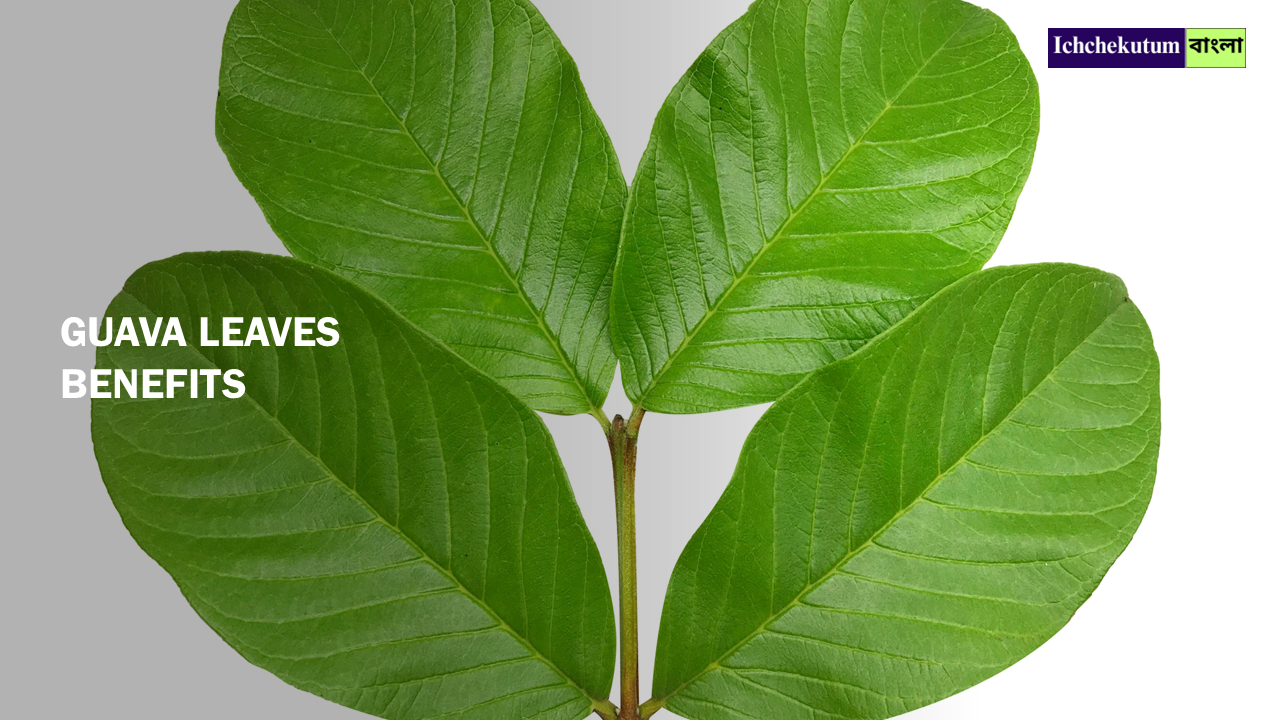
(622, 447)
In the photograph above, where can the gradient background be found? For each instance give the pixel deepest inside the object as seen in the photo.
(1165, 177)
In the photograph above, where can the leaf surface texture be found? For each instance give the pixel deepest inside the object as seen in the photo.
(915, 518)
(375, 522)
(822, 168)
(445, 156)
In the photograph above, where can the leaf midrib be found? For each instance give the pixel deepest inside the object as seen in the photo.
(782, 229)
(466, 212)
(810, 587)
(378, 517)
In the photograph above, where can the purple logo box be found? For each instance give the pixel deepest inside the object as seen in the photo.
(1117, 47)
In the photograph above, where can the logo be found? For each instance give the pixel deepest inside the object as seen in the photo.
(1146, 47)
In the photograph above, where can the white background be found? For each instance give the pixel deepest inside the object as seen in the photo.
(1165, 177)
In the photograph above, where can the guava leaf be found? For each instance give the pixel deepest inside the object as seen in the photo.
(445, 156)
(375, 522)
(822, 168)
(911, 520)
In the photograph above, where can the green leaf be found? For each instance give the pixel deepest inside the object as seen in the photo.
(911, 520)
(444, 156)
(375, 522)
(822, 168)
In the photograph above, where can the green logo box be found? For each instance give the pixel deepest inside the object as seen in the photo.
(1215, 47)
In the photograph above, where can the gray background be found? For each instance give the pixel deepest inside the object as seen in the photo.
(1165, 177)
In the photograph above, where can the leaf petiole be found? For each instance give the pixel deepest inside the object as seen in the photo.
(605, 709)
(601, 418)
(650, 707)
